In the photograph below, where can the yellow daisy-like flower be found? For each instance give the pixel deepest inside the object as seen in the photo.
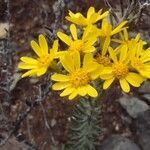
(107, 31)
(120, 71)
(92, 17)
(84, 45)
(126, 41)
(39, 65)
(77, 80)
(141, 60)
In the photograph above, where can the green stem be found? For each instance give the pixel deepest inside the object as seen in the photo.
(85, 125)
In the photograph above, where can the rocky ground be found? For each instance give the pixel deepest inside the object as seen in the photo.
(31, 117)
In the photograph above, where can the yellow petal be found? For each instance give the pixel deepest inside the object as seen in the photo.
(89, 49)
(36, 48)
(29, 60)
(61, 54)
(41, 71)
(90, 67)
(82, 91)
(123, 53)
(124, 85)
(106, 76)
(73, 30)
(105, 45)
(117, 41)
(76, 59)
(100, 11)
(67, 91)
(55, 47)
(71, 13)
(102, 15)
(145, 56)
(134, 79)
(29, 73)
(137, 38)
(67, 62)
(112, 54)
(94, 18)
(91, 11)
(43, 44)
(91, 91)
(60, 85)
(119, 28)
(107, 83)
(96, 73)
(22, 65)
(87, 58)
(60, 77)
(106, 26)
(125, 34)
(90, 32)
(65, 38)
(106, 70)
(91, 41)
(145, 73)
(73, 95)
(79, 20)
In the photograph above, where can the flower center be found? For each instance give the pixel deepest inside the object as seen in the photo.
(79, 78)
(120, 70)
(104, 60)
(137, 63)
(76, 45)
(44, 61)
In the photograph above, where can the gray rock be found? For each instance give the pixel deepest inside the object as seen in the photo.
(146, 96)
(117, 142)
(133, 105)
(143, 129)
(145, 88)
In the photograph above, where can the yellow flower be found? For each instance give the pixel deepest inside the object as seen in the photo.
(77, 80)
(92, 17)
(120, 71)
(103, 60)
(126, 41)
(141, 60)
(39, 65)
(107, 31)
(84, 45)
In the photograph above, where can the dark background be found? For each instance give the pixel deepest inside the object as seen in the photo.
(45, 123)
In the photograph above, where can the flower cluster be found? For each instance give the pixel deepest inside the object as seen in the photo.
(95, 50)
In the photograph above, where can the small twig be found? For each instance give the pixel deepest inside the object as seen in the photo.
(18, 122)
(29, 131)
(121, 7)
(47, 125)
(44, 116)
(111, 10)
(2, 112)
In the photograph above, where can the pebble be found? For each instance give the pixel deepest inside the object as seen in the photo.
(117, 142)
(142, 125)
(133, 105)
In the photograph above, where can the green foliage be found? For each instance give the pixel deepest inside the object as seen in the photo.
(85, 126)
